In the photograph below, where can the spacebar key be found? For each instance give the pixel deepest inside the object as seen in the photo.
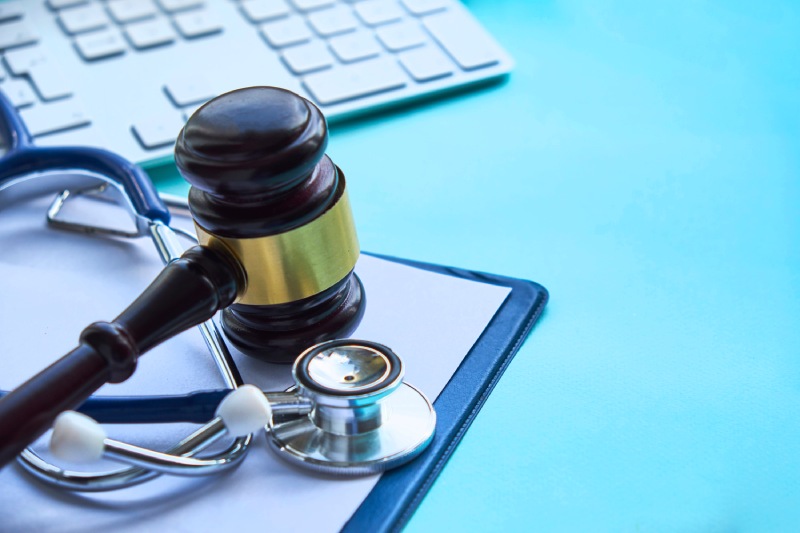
(355, 81)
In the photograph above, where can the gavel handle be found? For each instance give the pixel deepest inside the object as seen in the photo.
(190, 290)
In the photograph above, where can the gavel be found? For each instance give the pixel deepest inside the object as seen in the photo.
(277, 249)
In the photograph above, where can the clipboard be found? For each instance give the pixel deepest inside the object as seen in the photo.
(399, 492)
(386, 503)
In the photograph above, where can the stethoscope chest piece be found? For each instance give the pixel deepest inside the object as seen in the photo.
(364, 419)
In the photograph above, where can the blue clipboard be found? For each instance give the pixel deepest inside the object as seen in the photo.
(399, 492)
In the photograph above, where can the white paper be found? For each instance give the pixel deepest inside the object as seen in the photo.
(55, 283)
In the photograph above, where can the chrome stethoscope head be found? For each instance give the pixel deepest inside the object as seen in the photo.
(350, 413)
(364, 418)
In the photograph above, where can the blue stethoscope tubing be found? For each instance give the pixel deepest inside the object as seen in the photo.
(22, 157)
(195, 407)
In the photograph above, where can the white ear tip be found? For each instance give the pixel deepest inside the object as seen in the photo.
(244, 410)
(77, 438)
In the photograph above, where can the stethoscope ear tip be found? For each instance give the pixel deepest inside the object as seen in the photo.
(244, 410)
(77, 438)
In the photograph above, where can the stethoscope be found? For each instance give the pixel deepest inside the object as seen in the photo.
(350, 413)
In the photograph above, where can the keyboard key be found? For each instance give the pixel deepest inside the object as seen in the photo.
(51, 118)
(21, 60)
(60, 4)
(189, 90)
(19, 92)
(308, 5)
(339, 19)
(356, 37)
(50, 82)
(263, 10)
(16, 34)
(401, 35)
(423, 7)
(173, 6)
(157, 130)
(129, 10)
(355, 46)
(426, 63)
(375, 12)
(196, 24)
(308, 57)
(464, 39)
(83, 18)
(354, 81)
(286, 32)
(11, 10)
(150, 33)
(100, 45)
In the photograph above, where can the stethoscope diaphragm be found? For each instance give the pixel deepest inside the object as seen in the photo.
(364, 418)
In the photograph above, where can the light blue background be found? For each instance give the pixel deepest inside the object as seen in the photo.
(643, 163)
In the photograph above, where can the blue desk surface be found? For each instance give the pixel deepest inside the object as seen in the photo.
(643, 163)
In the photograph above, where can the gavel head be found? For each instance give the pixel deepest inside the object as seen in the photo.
(264, 192)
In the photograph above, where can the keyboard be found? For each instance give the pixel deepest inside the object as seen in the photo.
(126, 74)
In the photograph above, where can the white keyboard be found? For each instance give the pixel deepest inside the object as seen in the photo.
(126, 74)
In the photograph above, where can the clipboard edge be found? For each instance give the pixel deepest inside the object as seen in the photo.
(395, 498)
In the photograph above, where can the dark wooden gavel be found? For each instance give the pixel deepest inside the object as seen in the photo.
(277, 252)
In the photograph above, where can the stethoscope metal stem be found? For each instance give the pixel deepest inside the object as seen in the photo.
(194, 443)
(288, 404)
(178, 465)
